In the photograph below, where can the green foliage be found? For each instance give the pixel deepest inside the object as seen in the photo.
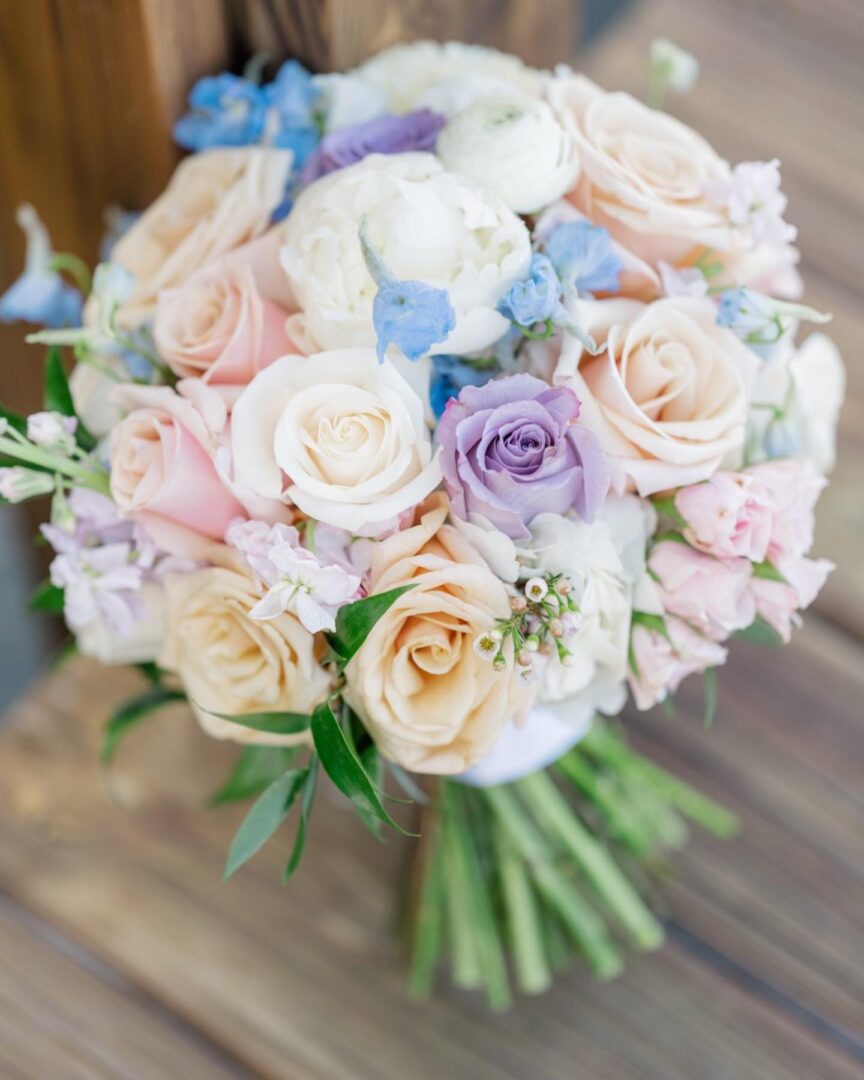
(47, 598)
(58, 396)
(256, 768)
(306, 799)
(264, 818)
(274, 723)
(354, 621)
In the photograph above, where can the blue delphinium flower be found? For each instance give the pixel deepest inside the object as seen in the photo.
(291, 99)
(584, 258)
(226, 110)
(450, 374)
(411, 315)
(40, 295)
(537, 298)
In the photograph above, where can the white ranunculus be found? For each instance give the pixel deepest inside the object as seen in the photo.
(144, 640)
(336, 433)
(426, 223)
(807, 385)
(407, 73)
(603, 561)
(515, 147)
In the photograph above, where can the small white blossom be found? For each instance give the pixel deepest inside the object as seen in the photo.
(677, 67)
(18, 484)
(683, 281)
(52, 430)
(751, 195)
(485, 646)
(536, 589)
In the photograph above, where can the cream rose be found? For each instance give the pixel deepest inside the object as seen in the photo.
(429, 701)
(414, 75)
(667, 396)
(426, 223)
(338, 434)
(231, 663)
(515, 147)
(215, 201)
(644, 174)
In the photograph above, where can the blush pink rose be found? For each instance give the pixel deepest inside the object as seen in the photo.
(793, 487)
(778, 602)
(728, 516)
(712, 595)
(227, 321)
(660, 663)
(162, 470)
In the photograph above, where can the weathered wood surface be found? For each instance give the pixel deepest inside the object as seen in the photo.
(126, 956)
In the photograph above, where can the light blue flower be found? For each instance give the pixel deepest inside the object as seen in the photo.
(226, 110)
(450, 374)
(411, 315)
(40, 295)
(535, 299)
(753, 318)
(584, 258)
(291, 100)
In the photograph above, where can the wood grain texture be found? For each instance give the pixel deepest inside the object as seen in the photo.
(332, 35)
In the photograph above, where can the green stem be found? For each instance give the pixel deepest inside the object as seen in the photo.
(34, 455)
(624, 825)
(583, 922)
(553, 812)
(428, 918)
(525, 929)
(64, 262)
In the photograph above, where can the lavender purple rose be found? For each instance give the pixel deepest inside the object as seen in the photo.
(384, 135)
(512, 449)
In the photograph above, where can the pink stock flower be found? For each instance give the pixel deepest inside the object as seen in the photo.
(661, 663)
(729, 516)
(710, 594)
(296, 579)
(778, 602)
(793, 487)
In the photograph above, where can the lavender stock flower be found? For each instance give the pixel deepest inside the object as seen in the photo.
(511, 450)
(383, 135)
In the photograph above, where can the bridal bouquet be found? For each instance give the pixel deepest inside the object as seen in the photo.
(431, 411)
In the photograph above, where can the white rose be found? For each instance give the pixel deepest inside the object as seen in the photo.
(426, 224)
(215, 201)
(807, 385)
(667, 394)
(603, 561)
(144, 640)
(407, 73)
(91, 388)
(338, 434)
(515, 147)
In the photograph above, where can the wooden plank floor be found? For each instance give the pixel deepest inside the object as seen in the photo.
(123, 955)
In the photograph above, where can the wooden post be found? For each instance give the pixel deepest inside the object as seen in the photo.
(331, 35)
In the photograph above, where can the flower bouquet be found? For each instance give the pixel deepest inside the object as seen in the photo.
(432, 410)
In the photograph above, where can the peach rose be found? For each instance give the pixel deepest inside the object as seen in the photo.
(162, 469)
(215, 201)
(231, 663)
(644, 174)
(667, 395)
(430, 702)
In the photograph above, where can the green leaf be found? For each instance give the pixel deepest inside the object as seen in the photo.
(265, 817)
(651, 622)
(130, 712)
(667, 507)
(768, 572)
(710, 680)
(354, 621)
(15, 420)
(254, 770)
(151, 672)
(306, 800)
(274, 723)
(344, 768)
(46, 598)
(58, 396)
(761, 633)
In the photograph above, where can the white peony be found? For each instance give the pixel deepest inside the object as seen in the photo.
(339, 435)
(603, 561)
(515, 147)
(426, 223)
(409, 74)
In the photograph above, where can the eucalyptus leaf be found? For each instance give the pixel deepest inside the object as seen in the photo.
(255, 769)
(355, 620)
(344, 768)
(133, 710)
(264, 818)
